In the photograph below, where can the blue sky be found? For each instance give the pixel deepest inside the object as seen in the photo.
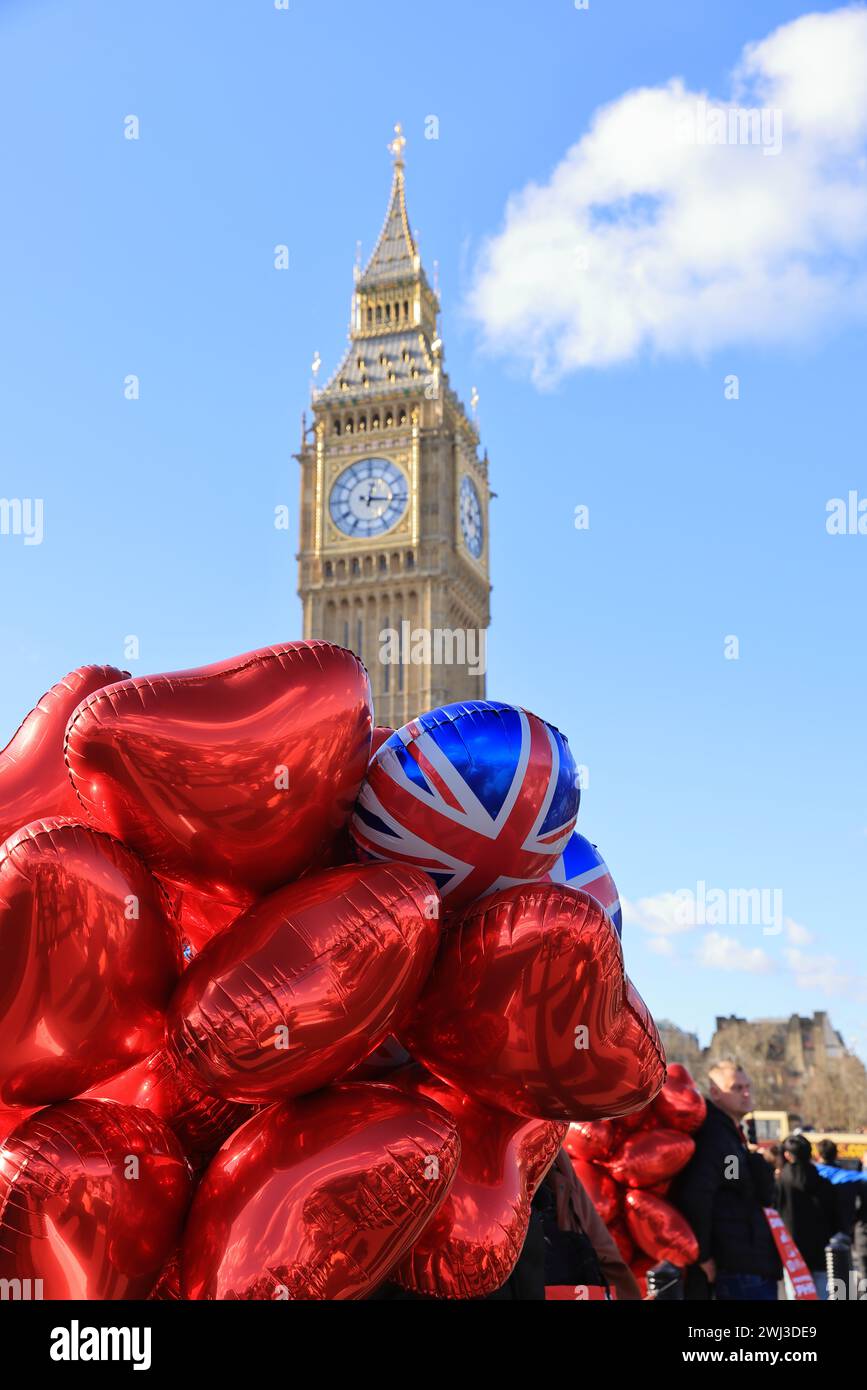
(261, 126)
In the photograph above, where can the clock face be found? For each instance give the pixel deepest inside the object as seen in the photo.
(368, 498)
(472, 526)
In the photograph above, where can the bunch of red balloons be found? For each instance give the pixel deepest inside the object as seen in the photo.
(627, 1167)
(235, 1062)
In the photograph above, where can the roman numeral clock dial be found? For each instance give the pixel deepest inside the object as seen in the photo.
(369, 498)
(472, 526)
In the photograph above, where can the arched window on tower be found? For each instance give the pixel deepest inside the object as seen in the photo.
(329, 569)
(349, 426)
(369, 317)
(356, 565)
(336, 427)
(374, 423)
(403, 417)
(406, 308)
(379, 313)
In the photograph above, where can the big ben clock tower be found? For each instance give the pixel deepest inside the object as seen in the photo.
(393, 558)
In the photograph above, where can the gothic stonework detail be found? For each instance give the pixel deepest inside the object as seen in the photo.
(394, 493)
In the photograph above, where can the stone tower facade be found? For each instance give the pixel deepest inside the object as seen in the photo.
(393, 559)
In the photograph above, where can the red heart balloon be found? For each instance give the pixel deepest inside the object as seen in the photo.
(382, 1062)
(233, 778)
(639, 1119)
(659, 1229)
(592, 1140)
(90, 960)
(199, 915)
(200, 1122)
(651, 1157)
(680, 1104)
(34, 782)
(318, 1198)
(167, 1289)
(381, 734)
(10, 1119)
(471, 1246)
(307, 983)
(92, 1201)
(600, 1188)
(528, 1008)
(622, 1239)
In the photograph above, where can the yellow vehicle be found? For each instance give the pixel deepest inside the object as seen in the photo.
(772, 1126)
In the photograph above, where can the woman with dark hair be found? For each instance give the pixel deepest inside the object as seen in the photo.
(806, 1203)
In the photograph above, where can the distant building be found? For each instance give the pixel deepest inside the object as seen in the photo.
(796, 1064)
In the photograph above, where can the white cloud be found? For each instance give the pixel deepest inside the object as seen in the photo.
(798, 935)
(725, 953)
(644, 240)
(666, 914)
(826, 974)
(661, 945)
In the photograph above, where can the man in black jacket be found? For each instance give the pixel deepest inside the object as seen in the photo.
(722, 1192)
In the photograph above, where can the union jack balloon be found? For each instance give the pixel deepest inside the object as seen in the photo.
(582, 866)
(480, 795)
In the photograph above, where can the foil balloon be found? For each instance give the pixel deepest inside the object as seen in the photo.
(659, 1230)
(381, 735)
(34, 782)
(167, 1289)
(233, 778)
(471, 1246)
(600, 1188)
(90, 961)
(307, 983)
(479, 795)
(11, 1118)
(384, 1060)
(638, 1120)
(92, 1201)
(200, 1122)
(318, 1198)
(592, 1140)
(680, 1104)
(201, 916)
(582, 866)
(622, 1239)
(650, 1157)
(640, 1266)
(528, 1008)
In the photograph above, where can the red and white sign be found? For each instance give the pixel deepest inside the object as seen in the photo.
(793, 1260)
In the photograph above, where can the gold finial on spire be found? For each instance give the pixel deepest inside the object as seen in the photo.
(397, 145)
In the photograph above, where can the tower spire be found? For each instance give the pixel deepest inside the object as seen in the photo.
(398, 145)
(395, 255)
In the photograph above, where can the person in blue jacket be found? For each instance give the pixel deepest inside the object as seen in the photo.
(851, 1187)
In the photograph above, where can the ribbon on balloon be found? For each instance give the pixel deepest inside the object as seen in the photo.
(793, 1261)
